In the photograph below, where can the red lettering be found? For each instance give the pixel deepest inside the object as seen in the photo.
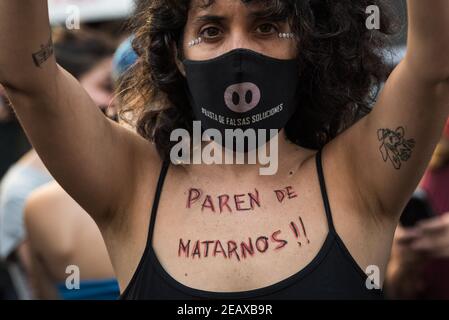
(196, 250)
(304, 229)
(183, 248)
(194, 195)
(254, 199)
(221, 250)
(294, 228)
(247, 248)
(264, 241)
(280, 195)
(206, 247)
(208, 204)
(290, 193)
(282, 243)
(223, 203)
(238, 202)
(232, 249)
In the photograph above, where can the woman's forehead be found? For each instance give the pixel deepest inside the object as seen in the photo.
(199, 6)
(251, 9)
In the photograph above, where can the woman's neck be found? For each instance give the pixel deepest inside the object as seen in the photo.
(279, 157)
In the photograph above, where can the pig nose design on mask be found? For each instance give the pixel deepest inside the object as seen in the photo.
(242, 89)
(242, 97)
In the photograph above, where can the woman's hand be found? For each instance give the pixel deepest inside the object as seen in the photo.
(432, 237)
(403, 277)
(412, 248)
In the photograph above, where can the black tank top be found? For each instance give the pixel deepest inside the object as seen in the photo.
(332, 274)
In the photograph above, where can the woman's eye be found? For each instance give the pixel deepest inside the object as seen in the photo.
(210, 32)
(267, 28)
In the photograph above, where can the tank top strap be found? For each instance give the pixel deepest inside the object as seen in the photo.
(319, 166)
(157, 198)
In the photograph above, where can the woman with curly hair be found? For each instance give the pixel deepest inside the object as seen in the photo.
(321, 227)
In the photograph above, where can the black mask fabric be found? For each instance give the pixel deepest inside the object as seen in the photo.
(242, 89)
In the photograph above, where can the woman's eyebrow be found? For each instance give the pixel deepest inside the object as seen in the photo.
(209, 19)
(268, 14)
(253, 15)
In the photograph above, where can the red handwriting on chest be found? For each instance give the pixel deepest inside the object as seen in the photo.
(284, 194)
(233, 203)
(223, 203)
(241, 250)
(230, 249)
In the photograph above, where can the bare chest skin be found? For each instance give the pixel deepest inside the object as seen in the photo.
(231, 234)
(222, 232)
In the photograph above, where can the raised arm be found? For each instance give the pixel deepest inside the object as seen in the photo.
(93, 158)
(386, 153)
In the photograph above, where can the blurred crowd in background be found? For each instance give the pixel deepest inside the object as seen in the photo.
(43, 231)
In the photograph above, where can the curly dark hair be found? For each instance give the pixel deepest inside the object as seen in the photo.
(341, 68)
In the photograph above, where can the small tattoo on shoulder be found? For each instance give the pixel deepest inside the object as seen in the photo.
(43, 54)
(394, 146)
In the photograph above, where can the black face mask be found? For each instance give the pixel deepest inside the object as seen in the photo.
(243, 89)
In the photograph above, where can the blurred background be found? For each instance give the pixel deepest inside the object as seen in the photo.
(93, 43)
